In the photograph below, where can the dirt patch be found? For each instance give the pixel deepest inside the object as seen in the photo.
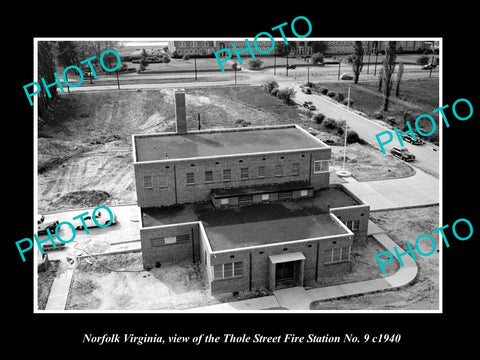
(423, 294)
(365, 266)
(118, 282)
(81, 198)
(367, 163)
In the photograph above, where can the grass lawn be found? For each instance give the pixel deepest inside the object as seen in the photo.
(417, 97)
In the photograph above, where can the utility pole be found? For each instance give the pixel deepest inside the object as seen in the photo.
(195, 60)
(199, 124)
(339, 64)
(118, 81)
(375, 70)
(275, 62)
(346, 130)
(431, 66)
(286, 68)
(235, 72)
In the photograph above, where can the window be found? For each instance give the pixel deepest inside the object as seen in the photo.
(183, 238)
(265, 197)
(227, 175)
(156, 241)
(284, 195)
(320, 166)
(224, 201)
(208, 176)
(193, 44)
(190, 178)
(279, 170)
(295, 169)
(352, 224)
(303, 192)
(229, 270)
(336, 255)
(244, 174)
(162, 180)
(345, 253)
(147, 182)
(261, 171)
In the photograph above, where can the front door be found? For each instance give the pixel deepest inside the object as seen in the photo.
(284, 271)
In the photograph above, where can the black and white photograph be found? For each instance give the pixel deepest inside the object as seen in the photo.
(289, 182)
(263, 180)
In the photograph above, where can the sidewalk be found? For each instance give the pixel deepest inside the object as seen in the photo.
(298, 298)
(420, 189)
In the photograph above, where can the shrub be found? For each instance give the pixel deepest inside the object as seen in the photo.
(318, 118)
(255, 63)
(323, 90)
(275, 91)
(345, 102)
(391, 120)
(329, 123)
(340, 97)
(331, 93)
(317, 58)
(270, 85)
(352, 137)
(286, 95)
(423, 60)
(378, 115)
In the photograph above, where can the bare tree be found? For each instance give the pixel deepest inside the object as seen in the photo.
(380, 79)
(401, 67)
(357, 61)
(388, 70)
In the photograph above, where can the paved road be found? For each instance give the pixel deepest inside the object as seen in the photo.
(427, 155)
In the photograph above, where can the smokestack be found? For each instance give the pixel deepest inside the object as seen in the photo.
(180, 111)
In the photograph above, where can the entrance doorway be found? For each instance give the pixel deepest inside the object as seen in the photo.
(286, 270)
(284, 274)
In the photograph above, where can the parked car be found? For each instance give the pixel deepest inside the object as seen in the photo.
(102, 217)
(402, 154)
(409, 138)
(291, 66)
(43, 225)
(429, 66)
(346, 77)
(309, 105)
(306, 90)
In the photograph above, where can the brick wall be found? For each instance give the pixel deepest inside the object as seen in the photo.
(169, 253)
(162, 192)
(256, 263)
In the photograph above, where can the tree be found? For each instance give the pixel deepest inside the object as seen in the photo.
(143, 61)
(166, 59)
(46, 68)
(286, 95)
(67, 53)
(399, 78)
(388, 70)
(357, 61)
(380, 79)
(319, 47)
(317, 58)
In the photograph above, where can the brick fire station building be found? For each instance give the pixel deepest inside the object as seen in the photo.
(253, 205)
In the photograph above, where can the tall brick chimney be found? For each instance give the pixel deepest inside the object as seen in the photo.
(180, 111)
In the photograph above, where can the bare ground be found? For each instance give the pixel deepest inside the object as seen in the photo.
(423, 294)
(85, 142)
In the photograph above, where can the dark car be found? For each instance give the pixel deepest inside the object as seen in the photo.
(402, 154)
(306, 90)
(409, 138)
(291, 66)
(309, 105)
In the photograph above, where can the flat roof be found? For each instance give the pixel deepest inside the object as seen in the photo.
(259, 224)
(221, 142)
